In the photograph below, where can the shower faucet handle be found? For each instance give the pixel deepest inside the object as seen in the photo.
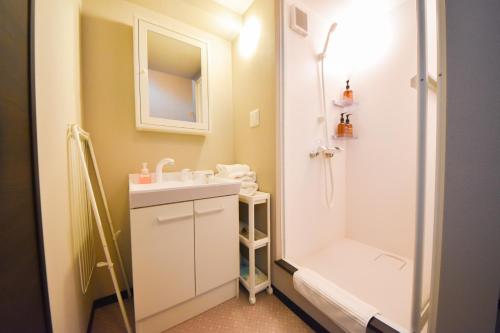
(314, 154)
(319, 150)
(328, 152)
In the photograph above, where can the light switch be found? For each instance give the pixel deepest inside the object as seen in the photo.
(254, 118)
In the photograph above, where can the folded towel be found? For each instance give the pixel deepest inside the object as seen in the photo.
(244, 176)
(346, 310)
(241, 173)
(227, 170)
(248, 188)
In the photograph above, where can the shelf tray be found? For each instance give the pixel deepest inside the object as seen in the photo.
(342, 104)
(257, 198)
(261, 238)
(260, 277)
(334, 137)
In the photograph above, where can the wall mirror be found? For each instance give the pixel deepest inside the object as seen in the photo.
(171, 79)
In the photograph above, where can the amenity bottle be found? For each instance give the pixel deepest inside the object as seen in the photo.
(145, 176)
(341, 126)
(348, 126)
(348, 95)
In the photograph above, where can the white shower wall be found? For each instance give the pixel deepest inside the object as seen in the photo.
(381, 169)
(375, 178)
(310, 224)
(381, 198)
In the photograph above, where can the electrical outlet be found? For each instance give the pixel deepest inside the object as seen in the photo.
(254, 118)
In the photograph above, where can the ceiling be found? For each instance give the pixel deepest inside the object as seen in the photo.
(238, 6)
(331, 9)
(206, 15)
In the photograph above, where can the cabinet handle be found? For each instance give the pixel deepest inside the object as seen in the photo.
(173, 218)
(209, 211)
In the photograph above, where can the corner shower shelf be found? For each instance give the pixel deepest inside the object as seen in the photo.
(344, 105)
(334, 137)
(251, 277)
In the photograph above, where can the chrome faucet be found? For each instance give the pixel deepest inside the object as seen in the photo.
(159, 168)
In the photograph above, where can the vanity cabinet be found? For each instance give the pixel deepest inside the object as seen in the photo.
(185, 259)
(216, 242)
(162, 256)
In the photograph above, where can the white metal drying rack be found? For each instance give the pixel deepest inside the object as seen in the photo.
(79, 135)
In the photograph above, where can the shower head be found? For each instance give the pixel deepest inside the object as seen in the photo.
(332, 29)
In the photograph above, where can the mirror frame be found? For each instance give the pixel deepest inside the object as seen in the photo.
(144, 121)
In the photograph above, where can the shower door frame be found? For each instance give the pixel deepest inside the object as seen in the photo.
(419, 318)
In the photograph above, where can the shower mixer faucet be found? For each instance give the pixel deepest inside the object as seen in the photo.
(328, 152)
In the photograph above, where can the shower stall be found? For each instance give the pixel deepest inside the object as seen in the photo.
(357, 213)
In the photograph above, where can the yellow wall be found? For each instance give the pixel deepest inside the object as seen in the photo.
(254, 87)
(109, 110)
(57, 80)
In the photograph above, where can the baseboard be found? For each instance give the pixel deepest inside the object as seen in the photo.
(310, 321)
(103, 301)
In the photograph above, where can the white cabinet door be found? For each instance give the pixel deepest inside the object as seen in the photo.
(216, 242)
(162, 256)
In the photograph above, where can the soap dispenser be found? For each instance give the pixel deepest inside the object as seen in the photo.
(348, 95)
(145, 176)
(348, 126)
(341, 126)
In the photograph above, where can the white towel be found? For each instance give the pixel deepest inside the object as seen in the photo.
(241, 173)
(248, 188)
(227, 170)
(346, 310)
(244, 176)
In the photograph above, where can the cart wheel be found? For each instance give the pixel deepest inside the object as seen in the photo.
(252, 300)
(269, 290)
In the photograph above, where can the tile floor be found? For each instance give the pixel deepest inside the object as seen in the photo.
(236, 315)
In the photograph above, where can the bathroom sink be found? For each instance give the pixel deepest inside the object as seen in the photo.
(175, 188)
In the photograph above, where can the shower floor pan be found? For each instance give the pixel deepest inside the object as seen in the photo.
(372, 275)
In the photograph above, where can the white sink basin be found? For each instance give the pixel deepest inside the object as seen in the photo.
(174, 189)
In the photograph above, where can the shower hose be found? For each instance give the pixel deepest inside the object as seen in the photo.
(329, 180)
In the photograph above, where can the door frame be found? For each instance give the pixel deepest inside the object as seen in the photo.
(34, 158)
(440, 163)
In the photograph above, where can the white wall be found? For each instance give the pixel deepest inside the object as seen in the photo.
(381, 165)
(381, 198)
(57, 105)
(309, 223)
(470, 251)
